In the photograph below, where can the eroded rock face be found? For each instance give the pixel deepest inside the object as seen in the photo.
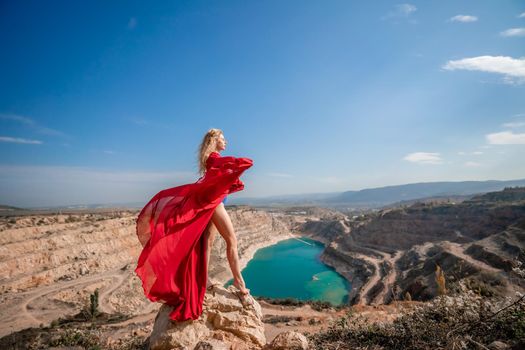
(224, 324)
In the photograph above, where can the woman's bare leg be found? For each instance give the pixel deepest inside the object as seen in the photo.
(222, 221)
(210, 233)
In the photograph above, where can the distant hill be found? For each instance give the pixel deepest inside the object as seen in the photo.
(9, 208)
(382, 196)
(369, 198)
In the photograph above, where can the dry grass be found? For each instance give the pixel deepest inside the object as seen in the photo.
(465, 321)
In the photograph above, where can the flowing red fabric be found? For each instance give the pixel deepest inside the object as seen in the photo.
(172, 264)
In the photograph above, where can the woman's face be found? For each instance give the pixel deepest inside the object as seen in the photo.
(221, 143)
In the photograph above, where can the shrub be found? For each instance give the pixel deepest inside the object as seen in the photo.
(93, 307)
(440, 280)
(447, 322)
(75, 337)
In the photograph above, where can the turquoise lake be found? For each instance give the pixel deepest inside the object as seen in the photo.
(291, 268)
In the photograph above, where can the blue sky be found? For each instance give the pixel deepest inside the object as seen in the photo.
(105, 102)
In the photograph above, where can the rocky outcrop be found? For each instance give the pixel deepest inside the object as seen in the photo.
(224, 323)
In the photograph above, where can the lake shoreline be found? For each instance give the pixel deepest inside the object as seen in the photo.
(312, 278)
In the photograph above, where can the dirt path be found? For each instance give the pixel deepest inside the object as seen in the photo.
(459, 251)
(103, 301)
(389, 279)
(372, 281)
(376, 277)
(23, 315)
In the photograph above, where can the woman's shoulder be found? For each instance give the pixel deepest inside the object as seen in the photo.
(211, 156)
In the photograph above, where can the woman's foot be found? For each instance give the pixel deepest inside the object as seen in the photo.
(242, 289)
(243, 294)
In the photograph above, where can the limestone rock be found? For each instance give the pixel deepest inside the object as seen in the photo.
(224, 324)
(289, 340)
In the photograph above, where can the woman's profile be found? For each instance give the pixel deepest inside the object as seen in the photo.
(177, 226)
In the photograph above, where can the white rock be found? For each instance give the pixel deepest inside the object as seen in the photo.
(224, 324)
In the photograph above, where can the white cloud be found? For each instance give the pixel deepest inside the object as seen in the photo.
(514, 124)
(511, 68)
(31, 124)
(109, 152)
(424, 158)
(506, 138)
(406, 9)
(475, 153)
(464, 18)
(522, 15)
(17, 118)
(279, 175)
(472, 164)
(132, 23)
(19, 140)
(513, 32)
(401, 10)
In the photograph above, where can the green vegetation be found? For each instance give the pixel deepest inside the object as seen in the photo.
(93, 307)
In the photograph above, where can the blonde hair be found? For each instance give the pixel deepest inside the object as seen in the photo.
(208, 145)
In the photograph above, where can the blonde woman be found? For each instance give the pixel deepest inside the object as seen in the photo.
(177, 227)
(210, 148)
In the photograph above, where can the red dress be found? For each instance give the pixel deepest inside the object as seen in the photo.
(172, 264)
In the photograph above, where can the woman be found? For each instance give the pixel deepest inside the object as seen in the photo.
(214, 140)
(173, 264)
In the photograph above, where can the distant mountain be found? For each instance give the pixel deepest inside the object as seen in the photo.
(285, 200)
(368, 198)
(381, 196)
(128, 205)
(389, 194)
(9, 208)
